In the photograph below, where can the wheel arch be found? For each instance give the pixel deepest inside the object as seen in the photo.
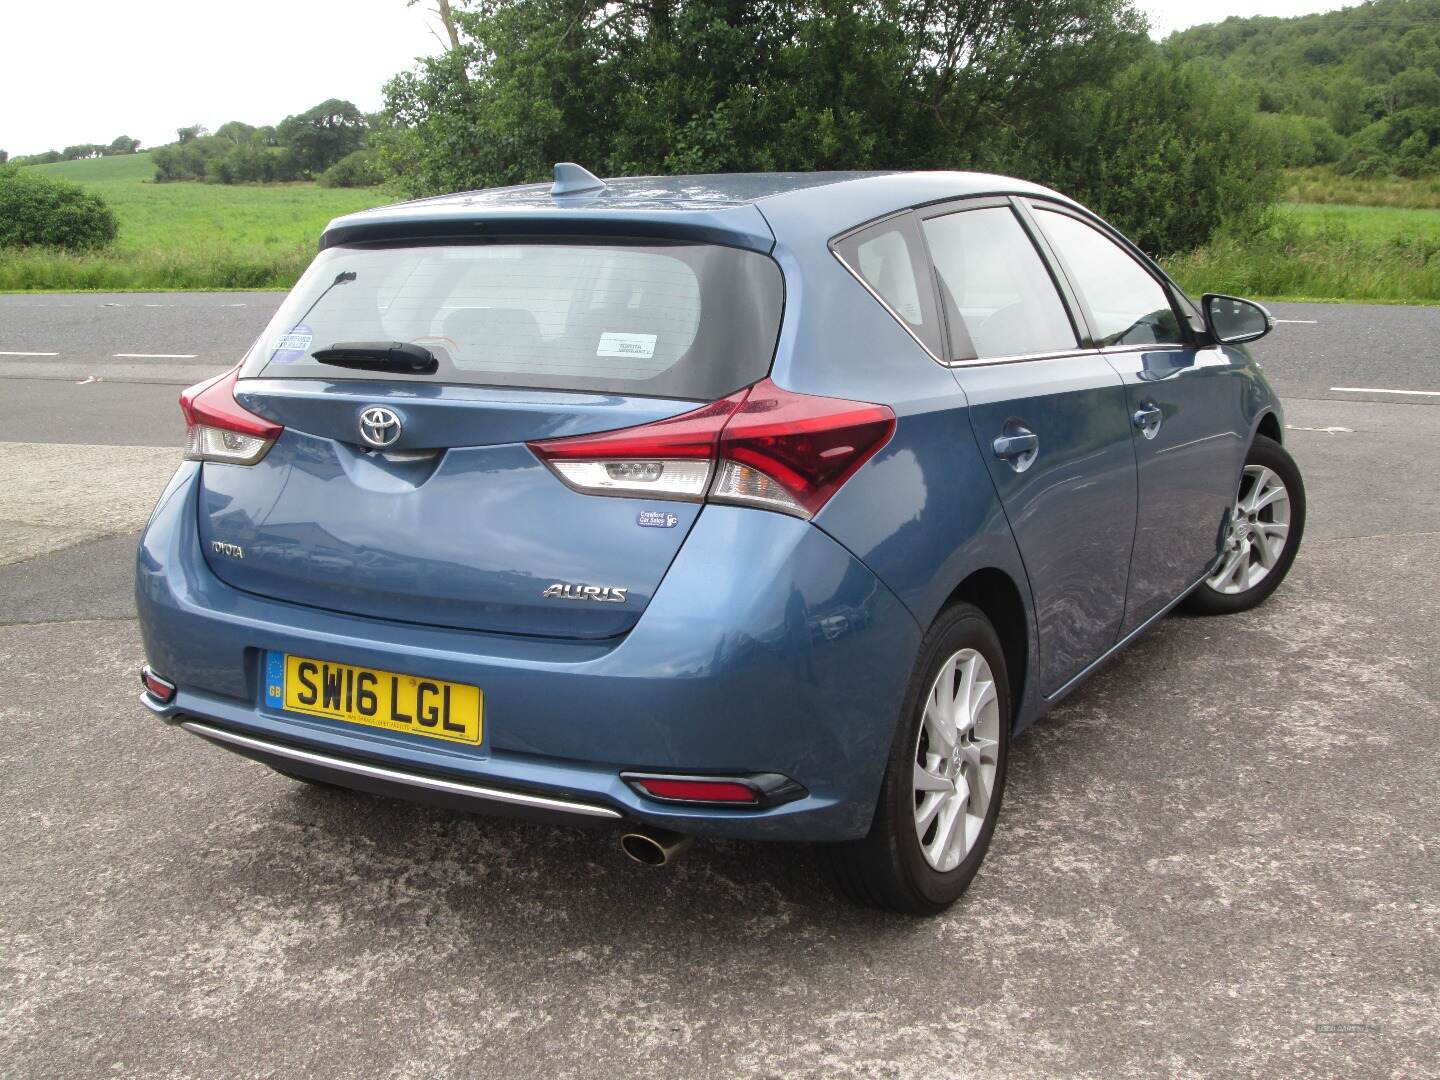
(1269, 426)
(998, 596)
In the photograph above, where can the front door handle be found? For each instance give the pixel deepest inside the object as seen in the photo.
(1013, 446)
(1148, 418)
(1017, 445)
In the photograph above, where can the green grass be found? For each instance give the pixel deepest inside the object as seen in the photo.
(1320, 184)
(187, 235)
(1312, 251)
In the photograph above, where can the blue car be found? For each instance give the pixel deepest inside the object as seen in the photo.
(759, 506)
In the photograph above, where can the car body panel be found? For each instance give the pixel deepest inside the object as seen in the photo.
(461, 535)
(1083, 475)
(1187, 471)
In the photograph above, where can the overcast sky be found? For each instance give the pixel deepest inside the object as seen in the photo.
(78, 71)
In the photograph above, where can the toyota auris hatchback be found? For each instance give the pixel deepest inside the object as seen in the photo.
(756, 506)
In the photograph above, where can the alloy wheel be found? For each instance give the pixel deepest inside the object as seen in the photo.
(1259, 527)
(955, 759)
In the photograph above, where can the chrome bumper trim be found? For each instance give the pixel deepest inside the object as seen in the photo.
(395, 776)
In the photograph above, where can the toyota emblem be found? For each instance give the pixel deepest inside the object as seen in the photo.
(379, 426)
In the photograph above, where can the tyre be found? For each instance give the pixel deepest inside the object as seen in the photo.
(1263, 535)
(943, 783)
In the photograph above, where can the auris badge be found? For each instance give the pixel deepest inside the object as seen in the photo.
(600, 594)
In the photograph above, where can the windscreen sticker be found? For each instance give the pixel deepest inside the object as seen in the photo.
(641, 346)
(292, 345)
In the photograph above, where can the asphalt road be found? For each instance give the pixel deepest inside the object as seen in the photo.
(1218, 857)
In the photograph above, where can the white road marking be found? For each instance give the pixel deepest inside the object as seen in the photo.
(1308, 322)
(1379, 390)
(1322, 430)
(29, 354)
(155, 355)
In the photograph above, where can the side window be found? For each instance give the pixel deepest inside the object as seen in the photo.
(997, 293)
(1125, 304)
(889, 258)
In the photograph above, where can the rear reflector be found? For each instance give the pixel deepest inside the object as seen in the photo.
(219, 428)
(162, 690)
(763, 446)
(699, 791)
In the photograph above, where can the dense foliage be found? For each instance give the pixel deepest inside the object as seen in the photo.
(1359, 87)
(356, 169)
(298, 148)
(40, 211)
(1063, 90)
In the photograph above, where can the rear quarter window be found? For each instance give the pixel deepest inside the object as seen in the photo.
(693, 321)
(889, 258)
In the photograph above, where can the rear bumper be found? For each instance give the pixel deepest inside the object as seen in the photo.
(767, 648)
(400, 783)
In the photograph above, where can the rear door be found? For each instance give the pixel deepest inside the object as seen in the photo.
(1185, 404)
(454, 521)
(1051, 421)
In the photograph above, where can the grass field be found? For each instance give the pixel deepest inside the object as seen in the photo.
(1336, 238)
(188, 235)
(1318, 251)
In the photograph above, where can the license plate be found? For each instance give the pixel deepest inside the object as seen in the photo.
(382, 699)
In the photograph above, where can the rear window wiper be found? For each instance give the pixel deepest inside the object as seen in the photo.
(399, 356)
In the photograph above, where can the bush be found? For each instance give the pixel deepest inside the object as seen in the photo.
(357, 169)
(1169, 152)
(40, 211)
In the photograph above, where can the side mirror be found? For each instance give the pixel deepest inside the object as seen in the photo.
(1233, 321)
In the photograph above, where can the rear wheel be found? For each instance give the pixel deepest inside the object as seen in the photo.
(943, 784)
(1263, 535)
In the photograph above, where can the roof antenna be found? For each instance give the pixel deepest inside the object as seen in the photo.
(572, 179)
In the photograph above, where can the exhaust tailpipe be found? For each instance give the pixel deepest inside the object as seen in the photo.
(654, 847)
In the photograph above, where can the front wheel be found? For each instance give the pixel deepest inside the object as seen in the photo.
(941, 794)
(1262, 536)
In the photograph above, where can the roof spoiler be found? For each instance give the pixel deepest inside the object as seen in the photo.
(572, 179)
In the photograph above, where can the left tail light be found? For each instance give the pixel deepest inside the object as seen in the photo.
(763, 446)
(219, 428)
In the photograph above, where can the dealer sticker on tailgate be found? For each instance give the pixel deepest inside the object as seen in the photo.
(382, 699)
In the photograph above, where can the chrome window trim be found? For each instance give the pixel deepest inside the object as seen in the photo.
(1063, 354)
(880, 299)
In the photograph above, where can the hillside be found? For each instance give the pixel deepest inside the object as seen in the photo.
(1358, 88)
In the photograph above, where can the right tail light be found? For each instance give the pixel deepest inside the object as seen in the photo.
(763, 446)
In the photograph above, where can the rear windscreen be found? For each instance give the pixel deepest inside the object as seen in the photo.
(693, 321)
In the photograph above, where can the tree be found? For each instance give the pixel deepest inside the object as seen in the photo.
(191, 133)
(1169, 152)
(123, 144)
(43, 211)
(323, 135)
(640, 85)
(4, 157)
(1064, 90)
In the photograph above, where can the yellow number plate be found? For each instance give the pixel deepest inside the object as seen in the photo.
(383, 699)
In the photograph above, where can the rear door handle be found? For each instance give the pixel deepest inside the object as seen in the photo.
(1013, 446)
(1148, 418)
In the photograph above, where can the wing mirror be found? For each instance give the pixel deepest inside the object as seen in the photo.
(1233, 321)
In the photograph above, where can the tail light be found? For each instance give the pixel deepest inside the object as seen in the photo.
(218, 428)
(763, 446)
